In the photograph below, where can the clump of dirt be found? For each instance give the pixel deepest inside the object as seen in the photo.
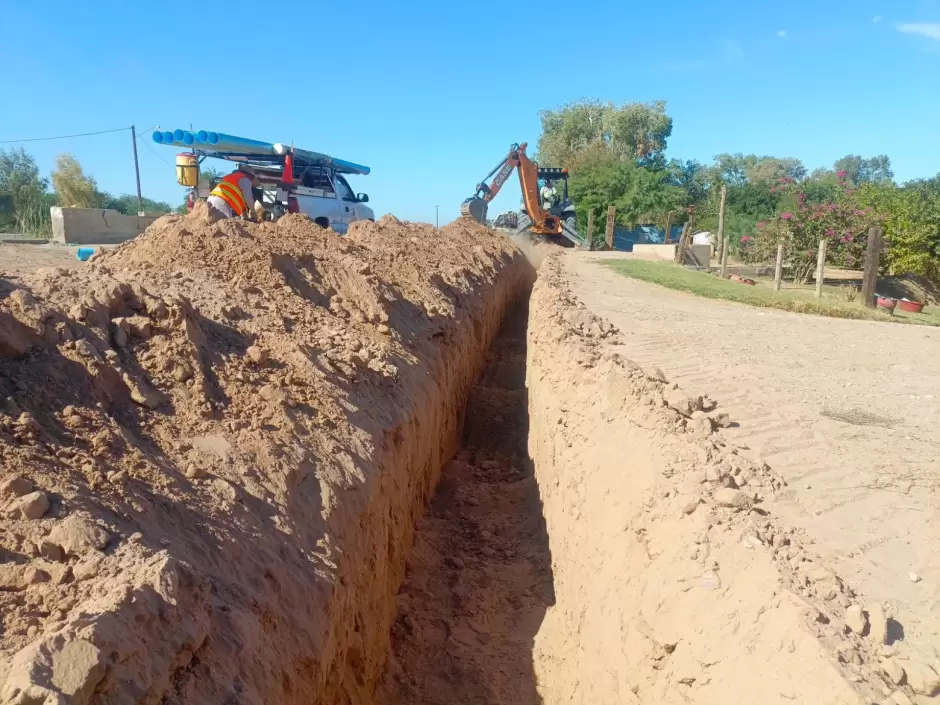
(673, 581)
(214, 445)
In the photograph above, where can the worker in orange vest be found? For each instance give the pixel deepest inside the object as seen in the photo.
(232, 196)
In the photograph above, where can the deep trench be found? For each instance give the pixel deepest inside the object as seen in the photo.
(478, 578)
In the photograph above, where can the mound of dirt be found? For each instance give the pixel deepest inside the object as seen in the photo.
(673, 582)
(214, 446)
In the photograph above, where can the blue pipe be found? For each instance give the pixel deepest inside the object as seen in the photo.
(221, 142)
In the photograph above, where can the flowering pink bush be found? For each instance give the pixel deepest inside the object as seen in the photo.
(843, 224)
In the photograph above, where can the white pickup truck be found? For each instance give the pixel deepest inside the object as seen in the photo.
(320, 193)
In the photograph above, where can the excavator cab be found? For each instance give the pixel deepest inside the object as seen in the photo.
(561, 207)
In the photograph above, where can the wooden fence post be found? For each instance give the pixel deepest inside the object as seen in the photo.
(686, 237)
(677, 258)
(611, 214)
(725, 248)
(820, 268)
(668, 226)
(778, 269)
(872, 260)
(721, 225)
(590, 230)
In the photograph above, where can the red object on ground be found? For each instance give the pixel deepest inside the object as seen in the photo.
(911, 306)
(742, 280)
(288, 176)
(885, 302)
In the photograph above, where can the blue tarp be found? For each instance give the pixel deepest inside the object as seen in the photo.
(625, 239)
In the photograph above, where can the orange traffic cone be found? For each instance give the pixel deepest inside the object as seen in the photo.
(288, 176)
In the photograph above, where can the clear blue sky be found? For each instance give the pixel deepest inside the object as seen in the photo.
(431, 94)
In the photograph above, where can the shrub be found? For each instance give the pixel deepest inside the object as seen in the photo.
(842, 222)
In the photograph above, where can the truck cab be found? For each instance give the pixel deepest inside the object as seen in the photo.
(320, 193)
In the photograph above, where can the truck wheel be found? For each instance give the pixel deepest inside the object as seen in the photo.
(322, 222)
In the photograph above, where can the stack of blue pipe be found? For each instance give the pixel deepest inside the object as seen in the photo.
(214, 141)
(206, 141)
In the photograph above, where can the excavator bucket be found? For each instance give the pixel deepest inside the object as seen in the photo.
(475, 208)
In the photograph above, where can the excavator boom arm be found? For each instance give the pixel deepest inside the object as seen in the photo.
(543, 222)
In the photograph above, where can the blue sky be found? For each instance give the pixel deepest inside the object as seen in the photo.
(431, 94)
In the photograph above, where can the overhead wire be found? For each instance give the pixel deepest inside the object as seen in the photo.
(65, 137)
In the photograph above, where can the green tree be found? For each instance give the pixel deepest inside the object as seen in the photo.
(23, 206)
(692, 177)
(640, 195)
(912, 224)
(127, 203)
(863, 171)
(769, 170)
(732, 169)
(629, 132)
(72, 187)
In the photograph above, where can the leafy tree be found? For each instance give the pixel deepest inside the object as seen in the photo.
(73, 188)
(912, 224)
(732, 169)
(127, 203)
(630, 132)
(22, 192)
(640, 195)
(843, 223)
(769, 170)
(692, 177)
(861, 171)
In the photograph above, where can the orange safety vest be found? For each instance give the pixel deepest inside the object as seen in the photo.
(227, 189)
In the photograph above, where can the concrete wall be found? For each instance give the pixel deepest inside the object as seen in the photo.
(697, 254)
(666, 252)
(96, 226)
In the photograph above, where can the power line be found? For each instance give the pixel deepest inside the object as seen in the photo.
(152, 150)
(65, 137)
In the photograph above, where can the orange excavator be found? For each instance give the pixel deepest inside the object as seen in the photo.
(554, 218)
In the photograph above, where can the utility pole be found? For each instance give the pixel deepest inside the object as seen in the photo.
(437, 217)
(140, 200)
(721, 224)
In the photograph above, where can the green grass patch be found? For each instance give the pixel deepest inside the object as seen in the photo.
(799, 301)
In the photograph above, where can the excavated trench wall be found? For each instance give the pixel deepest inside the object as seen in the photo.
(673, 582)
(214, 447)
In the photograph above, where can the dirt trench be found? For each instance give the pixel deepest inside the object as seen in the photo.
(597, 539)
(478, 579)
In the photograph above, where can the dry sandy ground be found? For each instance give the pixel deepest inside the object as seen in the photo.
(846, 411)
(16, 258)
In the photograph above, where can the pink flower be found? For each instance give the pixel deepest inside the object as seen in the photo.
(859, 212)
(773, 189)
(830, 233)
(746, 239)
(841, 174)
(787, 216)
(761, 225)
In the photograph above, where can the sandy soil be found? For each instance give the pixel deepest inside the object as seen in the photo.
(215, 442)
(846, 411)
(17, 258)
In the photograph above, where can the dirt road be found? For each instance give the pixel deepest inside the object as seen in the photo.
(17, 258)
(846, 411)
